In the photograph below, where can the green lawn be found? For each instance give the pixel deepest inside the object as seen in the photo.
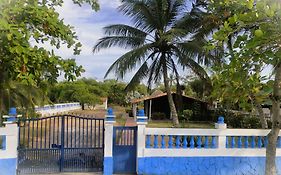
(189, 124)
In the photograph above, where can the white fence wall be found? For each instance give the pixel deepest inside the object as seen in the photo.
(48, 110)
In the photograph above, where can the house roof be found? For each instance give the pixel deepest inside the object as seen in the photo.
(153, 96)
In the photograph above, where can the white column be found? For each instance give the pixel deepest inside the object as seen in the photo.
(141, 122)
(221, 138)
(108, 143)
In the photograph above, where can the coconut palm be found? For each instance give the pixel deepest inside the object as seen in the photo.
(160, 43)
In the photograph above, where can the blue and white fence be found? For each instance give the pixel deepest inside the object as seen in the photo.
(49, 110)
(202, 151)
(8, 149)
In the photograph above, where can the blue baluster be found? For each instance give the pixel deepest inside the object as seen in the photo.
(232, 142)
(199, 142)
(178, 142)
(279, 142)
(239, 142)
(148, 141)
(213, 141)
(206, 144)
(246, 142)
(259, 142)
(184, 141)
(226, 142)
(191, 142)
(253, 143)
(170, 141)
(155, 141)
(163, 145)
(265, 141)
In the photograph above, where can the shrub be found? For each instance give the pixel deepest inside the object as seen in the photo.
(251, 122)
(158, 116)
(185, 115)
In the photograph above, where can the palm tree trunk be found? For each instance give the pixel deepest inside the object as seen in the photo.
(273, 135)
(170, 97)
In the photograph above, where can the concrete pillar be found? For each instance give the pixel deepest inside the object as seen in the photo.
(141, 122)
(221, 125)
(108, 143)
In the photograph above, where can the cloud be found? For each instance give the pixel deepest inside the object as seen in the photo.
(88, 25)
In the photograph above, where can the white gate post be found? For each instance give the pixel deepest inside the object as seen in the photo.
(221, 138)
(9, 152)
(141, 122)
(108, 143)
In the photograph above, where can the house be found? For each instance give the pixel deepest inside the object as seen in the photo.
(158, 103)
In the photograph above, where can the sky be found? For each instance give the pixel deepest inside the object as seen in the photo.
(88, 25)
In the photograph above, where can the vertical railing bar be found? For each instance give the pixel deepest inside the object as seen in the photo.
(28, 133)
(58, 132)
(99, 134)
(95, 139)
(83, 132)
(71, 131)
(37, 136)
(54, 127)
(41, 134)
(91, 139)
(49, 130)
(103, 136)
(32, 139)
(75, 140)
(24, 127)
(87, 133)
(66, 144)
(79, 130)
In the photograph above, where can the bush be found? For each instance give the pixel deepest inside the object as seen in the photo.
(251, 122)
(158, 116)
(185, 115)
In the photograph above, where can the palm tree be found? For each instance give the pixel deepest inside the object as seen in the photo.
(23, 96)
(160, 43)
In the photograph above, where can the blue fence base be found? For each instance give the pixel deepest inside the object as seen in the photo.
(203, 165)
(8, 166)
(108, 166)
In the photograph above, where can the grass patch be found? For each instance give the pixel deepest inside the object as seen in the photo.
(169, 124)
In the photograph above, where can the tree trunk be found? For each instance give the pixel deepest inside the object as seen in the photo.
(170, 97)
(273, 135)
(179, 100)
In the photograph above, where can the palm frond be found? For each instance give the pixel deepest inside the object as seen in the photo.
(138, 76)
(124, 30)
(129, 61)
(120, 41)
(141, 14)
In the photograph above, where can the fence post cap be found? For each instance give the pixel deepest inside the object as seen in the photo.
(220, 124)
(141, 118)
(110, 117)
(220, 120)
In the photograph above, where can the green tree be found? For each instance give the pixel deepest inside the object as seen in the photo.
(158, 43)
(24, 26)
(85, 91)
(257, 25)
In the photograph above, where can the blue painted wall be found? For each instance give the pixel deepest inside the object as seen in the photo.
(108, 165)
(203, 165)
(8, 166)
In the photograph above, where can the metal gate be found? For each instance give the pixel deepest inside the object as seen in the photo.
(63, 143)
(124, 149)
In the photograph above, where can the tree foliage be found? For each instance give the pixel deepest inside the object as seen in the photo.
(25, 26)
(256, 26)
